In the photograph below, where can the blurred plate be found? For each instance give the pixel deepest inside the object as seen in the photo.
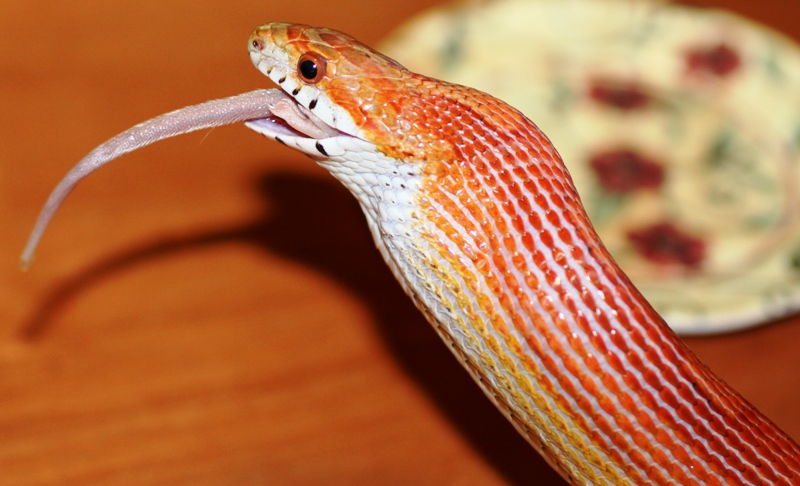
(680, 126)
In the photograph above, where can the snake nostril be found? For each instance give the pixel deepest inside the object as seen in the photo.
(257, 44)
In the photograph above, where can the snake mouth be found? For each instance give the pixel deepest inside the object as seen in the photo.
(274, 126)
(290, 119)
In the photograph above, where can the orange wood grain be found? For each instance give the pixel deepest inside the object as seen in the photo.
(211, 310)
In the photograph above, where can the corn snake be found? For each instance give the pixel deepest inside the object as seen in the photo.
(478, 219)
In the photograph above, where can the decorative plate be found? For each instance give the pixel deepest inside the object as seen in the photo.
(680, 126)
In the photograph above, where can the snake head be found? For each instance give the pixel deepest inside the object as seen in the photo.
(338, 80)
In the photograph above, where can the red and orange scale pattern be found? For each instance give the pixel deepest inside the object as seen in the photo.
(560, 338)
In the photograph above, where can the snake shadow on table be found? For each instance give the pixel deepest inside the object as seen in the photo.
(337, 243)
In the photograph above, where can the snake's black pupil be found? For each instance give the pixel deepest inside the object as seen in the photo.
(308, 69)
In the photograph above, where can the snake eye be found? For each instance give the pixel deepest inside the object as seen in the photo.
(311, 67)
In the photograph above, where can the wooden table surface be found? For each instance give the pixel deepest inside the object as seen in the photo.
(211, 310)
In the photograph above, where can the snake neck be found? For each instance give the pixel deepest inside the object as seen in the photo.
(489, 238)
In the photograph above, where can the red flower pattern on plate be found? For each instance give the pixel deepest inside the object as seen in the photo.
(619, 95)
(623, 170)
(665, 244)
(720, 60)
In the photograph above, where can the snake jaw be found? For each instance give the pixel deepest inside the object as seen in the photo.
(277, 129)
(307, 121)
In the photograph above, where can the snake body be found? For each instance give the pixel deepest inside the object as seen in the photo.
(476, 215)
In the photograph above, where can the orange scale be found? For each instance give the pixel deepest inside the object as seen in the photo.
(344, 87)
(517, 195)
(498, 220)
(762, 476)
(465, 115)
(656, 361)
(705, 411)
(511, 246)
(647, 398)
(558, 202)
(780, 466)
(611, 433)
(435, 125)
(501, 265)
(334, 56)
(481, 166)
(540, 201)
(716, 465)
(655, 476)
(450, 131)
(562, 188)
(539, 259)
(444, 106)
(635, 360)
(651, 379)
(417, 113)
(629, 404)
(573, 277)
(669, 373)
(527, 241)
(533, 283)
(748, 452)
(630, 380)
(644, 443)
(683, 457)
(521, 171)
(546, 238)
(399, 87)
(639, 438)
(555, 348)
(689, 416)
(622, 346)
(637, 458)
(677, 473)
(668, 397)
(608, 406)
(548, 170)
(526, 303)
(496, 159)
(645, 345)
(553, 217)
(525, 206)
(494, 284)
(731, 461)
(590, 386)
(684, 434)
(508, 137)
(507, 177)
(664, 415)
(519, 226)
(507, 204)
(501, 197)
(638, 314)
(454, 179)
(687, 394)
(495, 347)
(571, 390)
(372, 107)
(598, 343)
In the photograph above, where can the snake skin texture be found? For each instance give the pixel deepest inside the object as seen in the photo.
(478, 218)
